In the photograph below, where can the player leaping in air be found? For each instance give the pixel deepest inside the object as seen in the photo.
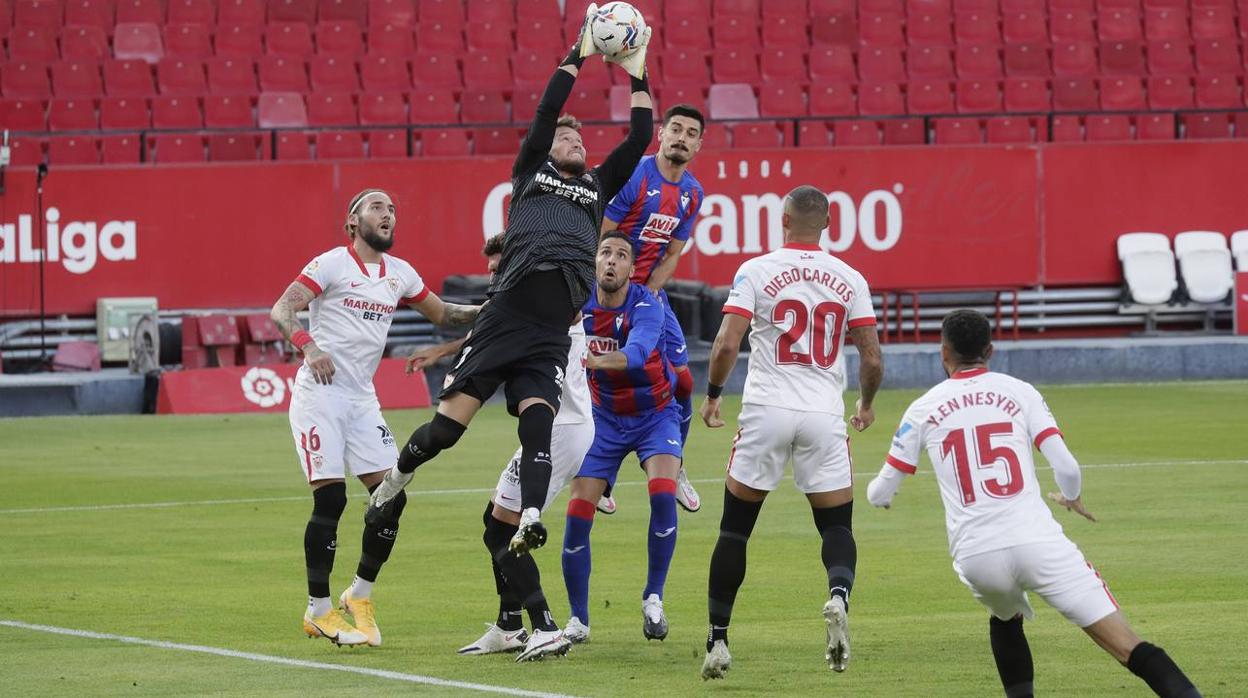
(335, 418)
(657, 210)
(978, 428)
(546, 274)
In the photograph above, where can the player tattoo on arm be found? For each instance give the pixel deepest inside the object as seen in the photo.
(285, 310)
(456, 315)
(870, 374)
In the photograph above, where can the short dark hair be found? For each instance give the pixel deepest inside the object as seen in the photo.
(617, 235)
(687, 110)
(968, 334)
(493, 246)
(568, 121)
(808, 200)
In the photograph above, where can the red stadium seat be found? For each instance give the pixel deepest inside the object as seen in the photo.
(188, 41)
(120, 150)
(782, 101)
(878, 64)
(128, 79)
(965, 6)
(1071, 26)
(177, 77)
(340, 38)
(437, 71)
(880, 99)
(929, 63)
(1024, 27)
(1213, 23)
(882, 29)
(401, 13)
(976, 29)
(532, 69)
(600, 140)
(735, 66)
(786, 31)
(484, 107)
(685, 69)
(76, 79)
(1169, 58)
(736, 8)
(1011, 129)
(240, 12)
(434, 107)
(26, 151)
(228, 111)
(326, 109)
(442, 11)
(1024, 95)
(1119, 25)
(1108, 127)
(1217, 57)
(1066, 129)
(175, 148)
(544, 9)
(930, 30)
(1155, 127)
(694, 96)
(490, 36)
(833, 99)
(495, 141)
(620, 98)
(291, 39)
(383, 109)
(36, 44)
(342, 10)
(282, 110)
(387, 143)
(1170, 93)
(1075, 94)
(176, 113)
(929, 97)
(436, 36)
(735, 101)
(735, 33)
(542, 35)
(124, 114)
(1206, 126)
(1122, 94)
(813, 134)
(72, 115)
(339, 145)
(447, 142)
(282, 74)
(589, 104)
(1027, 61)
(385, 74)
(487, 71)
(139, 41)
(47, 14)
(1218, 92)
(1165, 24)
(240, 41)
(756, 134)
(1122, 58)
(855, 133)
(73, 150)
(83, 43)
(781, 65)
(232, 76)
(140, 12)
(827, 7)
(237, 147)
(904, 132)
(90, 13)
(24, 115)
(672, 9)
(303, 11)
(834, 30)
(957, 132)
(393, 40)
(491, 11)
(333, 74)
(293, 146)
(978, 97)
(785, 8)
(978, 62)
(25, 80)
(203, 12)
(832, 64)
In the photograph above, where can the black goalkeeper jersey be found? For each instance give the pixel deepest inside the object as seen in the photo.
(553, 222)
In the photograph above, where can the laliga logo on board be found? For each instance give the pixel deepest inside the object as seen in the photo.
(263, 387)
(77, 245)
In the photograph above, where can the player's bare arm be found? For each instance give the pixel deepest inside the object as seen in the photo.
(870, 374)
(666, 268)
(445, 314)
(285, 316)
(723, 358)
(1075, 505)
(424, 356)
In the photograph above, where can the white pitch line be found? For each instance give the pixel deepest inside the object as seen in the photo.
(271, 659)
(489, 490)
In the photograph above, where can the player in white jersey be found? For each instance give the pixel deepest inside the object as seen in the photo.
(352, 293)
(798, 303)
(978, 428)
(516, 577)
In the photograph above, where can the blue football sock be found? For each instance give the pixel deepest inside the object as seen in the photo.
(662, 539)
(576, 557)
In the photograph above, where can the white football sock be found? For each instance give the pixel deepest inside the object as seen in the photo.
(318, 607)
(360, 589)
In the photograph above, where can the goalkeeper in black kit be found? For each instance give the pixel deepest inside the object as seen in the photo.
(520, 340)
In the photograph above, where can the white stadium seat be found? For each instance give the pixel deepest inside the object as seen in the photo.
(1148, 267)
(1205, 262)
(1239, 249)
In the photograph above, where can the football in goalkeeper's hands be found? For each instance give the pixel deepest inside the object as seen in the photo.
(616, 29)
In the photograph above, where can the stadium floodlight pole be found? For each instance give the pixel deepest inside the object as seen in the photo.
(40, 174)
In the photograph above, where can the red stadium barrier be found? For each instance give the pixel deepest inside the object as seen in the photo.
(1241, 302)
(268, 388)
(224, 235)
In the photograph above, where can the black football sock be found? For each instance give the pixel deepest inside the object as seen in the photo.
(320, 537)
(428, 441)
(520, 572)
(534, 431)
(728, 563)
(510, 613)
(1013, 656)
(1151, 663)
(379, 536)
(840, 553)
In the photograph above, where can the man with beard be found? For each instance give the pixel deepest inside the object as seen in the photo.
(657, 209)
(630, 382)
(352, 293)
(521, 340)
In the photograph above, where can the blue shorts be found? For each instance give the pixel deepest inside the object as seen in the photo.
(673, 339)
(649, 434)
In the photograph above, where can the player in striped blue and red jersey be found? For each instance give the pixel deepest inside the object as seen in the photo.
(630, 381)
(657, 209)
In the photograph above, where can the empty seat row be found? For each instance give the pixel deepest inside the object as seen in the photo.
(1204, 260)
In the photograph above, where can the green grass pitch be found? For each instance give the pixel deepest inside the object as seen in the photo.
(225, 568)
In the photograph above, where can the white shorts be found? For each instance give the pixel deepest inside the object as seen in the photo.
(1056, 570)
(769, 436)
(336, 434)
(568, 445)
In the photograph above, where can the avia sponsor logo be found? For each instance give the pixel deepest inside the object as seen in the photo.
(659, 228)
(77, 245)
(602, 345)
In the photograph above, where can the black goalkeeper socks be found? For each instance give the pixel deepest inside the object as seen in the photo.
(1012, 655)
(1152, 664)
(728, 561)
(320, 537)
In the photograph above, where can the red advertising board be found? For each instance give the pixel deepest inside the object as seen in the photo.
(1241, 302)
(267, 389)
(233, 235)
